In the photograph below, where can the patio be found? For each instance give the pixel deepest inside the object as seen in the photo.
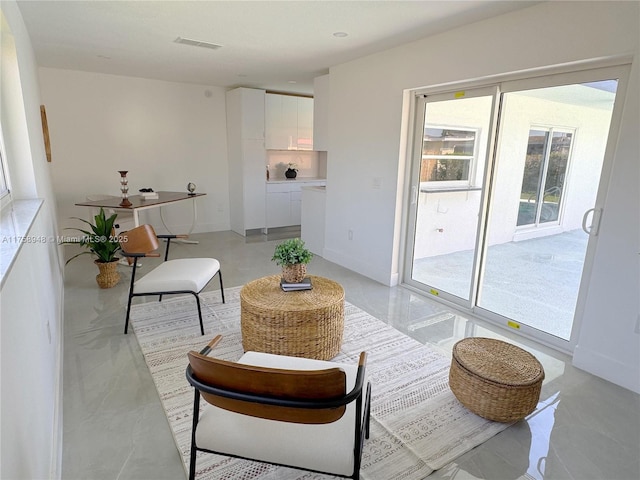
(534, 281)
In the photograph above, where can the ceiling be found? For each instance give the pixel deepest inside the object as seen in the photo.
(274, 45)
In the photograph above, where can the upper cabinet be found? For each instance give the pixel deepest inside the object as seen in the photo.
(288, 122)
(321, 113)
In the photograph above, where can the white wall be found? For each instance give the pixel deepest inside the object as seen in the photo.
(32, 292)
(365, 141)
(165, 134)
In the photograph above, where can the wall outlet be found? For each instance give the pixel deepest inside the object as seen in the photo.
(350, 234)
(377, 183)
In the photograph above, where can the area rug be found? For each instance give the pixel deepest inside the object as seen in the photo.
(417, 425)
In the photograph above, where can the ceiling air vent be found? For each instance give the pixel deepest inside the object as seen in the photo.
(197, 43)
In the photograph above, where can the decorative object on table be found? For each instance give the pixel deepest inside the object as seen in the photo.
(305, 284)
(191, 187)
(148, 193)
(124, 188)
(292, 171)
(494, 379)
(101, 242)
(293, 257)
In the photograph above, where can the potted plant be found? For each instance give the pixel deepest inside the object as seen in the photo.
(293, 257)
(102, 243)
(292, 171)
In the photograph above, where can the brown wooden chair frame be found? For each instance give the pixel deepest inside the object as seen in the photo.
(298, 396)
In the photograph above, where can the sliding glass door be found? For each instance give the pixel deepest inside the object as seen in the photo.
(498, 214)
(452, 145)
(547, 172)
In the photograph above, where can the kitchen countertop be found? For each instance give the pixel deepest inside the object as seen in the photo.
(296, 180)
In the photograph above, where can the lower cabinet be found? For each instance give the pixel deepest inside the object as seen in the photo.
(284, 203)
(278, 209)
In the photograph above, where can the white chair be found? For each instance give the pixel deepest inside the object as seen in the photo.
(298, 412)
(185, 275)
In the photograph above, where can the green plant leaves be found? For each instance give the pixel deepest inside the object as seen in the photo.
(101, 240)
(291, 252)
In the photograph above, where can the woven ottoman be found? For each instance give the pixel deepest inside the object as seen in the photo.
(305, 323)
(494, 379)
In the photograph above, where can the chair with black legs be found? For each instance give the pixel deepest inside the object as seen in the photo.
(185, 275)
(297, 412)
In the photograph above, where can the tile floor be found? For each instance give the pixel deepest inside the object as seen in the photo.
(115, 428)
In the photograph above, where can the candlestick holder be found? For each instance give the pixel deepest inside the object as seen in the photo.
(124, 188)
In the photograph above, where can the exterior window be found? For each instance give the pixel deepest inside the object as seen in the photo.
(447, 155)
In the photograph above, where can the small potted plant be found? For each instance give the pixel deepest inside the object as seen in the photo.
(293, 257)
(102, 243)
(292, 171)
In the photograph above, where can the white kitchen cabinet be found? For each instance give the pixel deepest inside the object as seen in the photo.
(278, 209)
(296, 207)
(305, 123)
(247, 158)
(288, 122)
(312, 226)
(321, 113)
(284, 202)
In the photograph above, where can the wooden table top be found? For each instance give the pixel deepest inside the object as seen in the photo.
(138, 201)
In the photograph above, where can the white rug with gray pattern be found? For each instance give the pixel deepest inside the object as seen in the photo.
(417, 425)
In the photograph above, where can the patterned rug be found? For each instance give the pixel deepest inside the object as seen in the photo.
(417, 425)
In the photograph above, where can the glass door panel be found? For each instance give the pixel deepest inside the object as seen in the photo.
(451, 159)
(549, 158)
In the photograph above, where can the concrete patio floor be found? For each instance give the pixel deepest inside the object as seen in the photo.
(534, 282)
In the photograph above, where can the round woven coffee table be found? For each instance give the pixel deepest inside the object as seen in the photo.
(307, 323)
(495, 379)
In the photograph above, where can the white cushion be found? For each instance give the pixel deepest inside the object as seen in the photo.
(327, 448)
(190, 274)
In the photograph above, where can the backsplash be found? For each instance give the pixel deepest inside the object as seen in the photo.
(309, 164)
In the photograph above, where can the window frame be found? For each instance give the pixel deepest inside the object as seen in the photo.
(5, 189)
(472, 159)
(550, 129)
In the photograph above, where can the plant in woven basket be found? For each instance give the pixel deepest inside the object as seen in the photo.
(293, 257)
(102, 243)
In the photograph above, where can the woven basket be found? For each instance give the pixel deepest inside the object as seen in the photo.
(108, 276)
(495, 379)
(294, 273)
(308, 323)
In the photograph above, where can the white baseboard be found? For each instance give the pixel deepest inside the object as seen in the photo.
(607, 368)
(358, 267)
